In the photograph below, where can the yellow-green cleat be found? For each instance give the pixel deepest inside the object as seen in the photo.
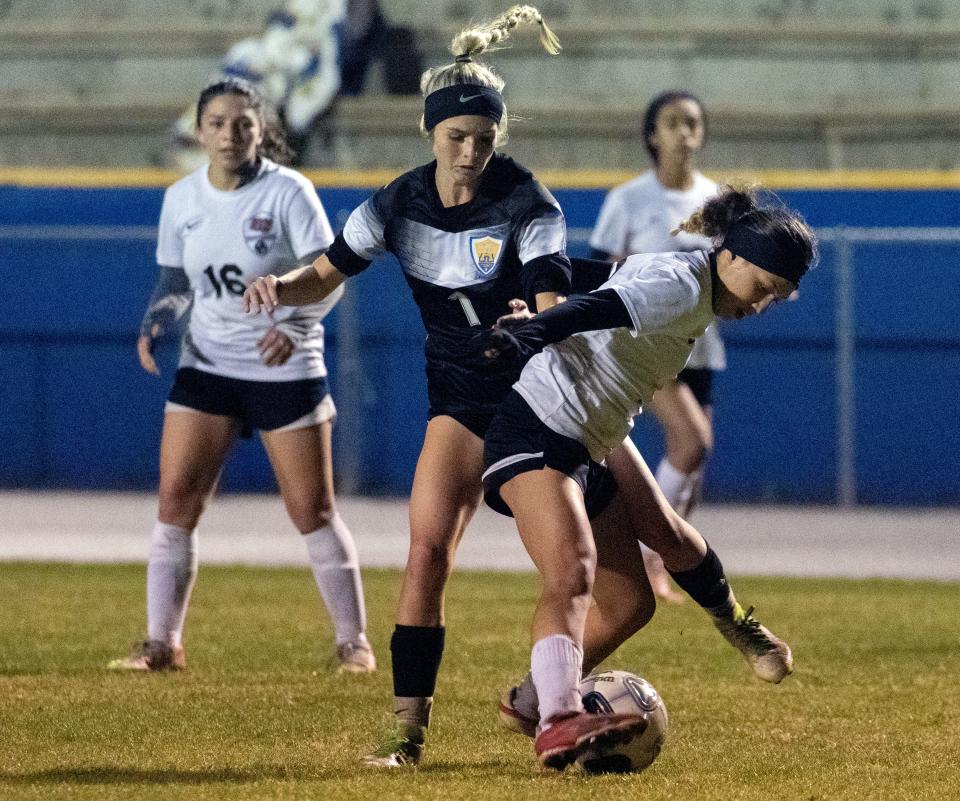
(403, 747)
(769, 657)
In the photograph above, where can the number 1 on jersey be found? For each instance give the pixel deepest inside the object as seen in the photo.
(467, 306)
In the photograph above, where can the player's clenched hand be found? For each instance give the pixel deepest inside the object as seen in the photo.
(513, 346)
(509, 348)
(498, 345)
(276, 348)
(262, 294)
(519, 313)
(145, 350)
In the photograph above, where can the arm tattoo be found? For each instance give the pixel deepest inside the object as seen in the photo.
(169, 302)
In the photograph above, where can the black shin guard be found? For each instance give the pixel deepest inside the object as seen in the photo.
(705, 583)
(416, 653)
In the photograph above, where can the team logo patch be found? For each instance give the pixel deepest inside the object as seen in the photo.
(260, 233)
(485, 252)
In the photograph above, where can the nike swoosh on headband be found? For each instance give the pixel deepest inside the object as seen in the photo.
(469, 98)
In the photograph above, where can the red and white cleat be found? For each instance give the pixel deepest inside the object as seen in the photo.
(569, 735)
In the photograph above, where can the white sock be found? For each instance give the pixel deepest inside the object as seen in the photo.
(678, 487)
(555, 664)
(333, 559)
(171, 572)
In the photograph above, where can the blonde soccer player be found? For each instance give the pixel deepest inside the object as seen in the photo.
(472, 230)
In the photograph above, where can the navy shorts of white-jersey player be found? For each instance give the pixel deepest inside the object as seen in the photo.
(241, 216)
(472, 230)
(641, 216)
(573, 405)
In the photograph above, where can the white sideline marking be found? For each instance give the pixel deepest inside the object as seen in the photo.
(254, 529)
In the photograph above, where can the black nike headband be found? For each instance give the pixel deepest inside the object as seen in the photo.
(460, 99)
(776, 253)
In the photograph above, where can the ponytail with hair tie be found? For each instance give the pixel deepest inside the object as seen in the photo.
(768, 235)
(466, 71)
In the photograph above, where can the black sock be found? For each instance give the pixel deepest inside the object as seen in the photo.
(705, 583)
(416, 653)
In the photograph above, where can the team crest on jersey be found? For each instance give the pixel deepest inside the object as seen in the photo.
(485, 251)
(260, 232)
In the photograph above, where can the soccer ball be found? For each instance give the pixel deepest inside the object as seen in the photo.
(622, 692)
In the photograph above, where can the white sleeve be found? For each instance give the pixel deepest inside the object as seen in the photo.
(307, 225)
(364, 232)
(542, 236)
(169, 241)
(613, 226)
(657, 298)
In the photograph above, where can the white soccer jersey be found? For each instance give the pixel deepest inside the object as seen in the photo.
(638, 216)
(589, 386)
(225, 240)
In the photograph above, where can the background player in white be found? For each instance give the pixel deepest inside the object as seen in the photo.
(573, 405)
(471, 231)
(240, 217)
(639, 217)
(294, 63)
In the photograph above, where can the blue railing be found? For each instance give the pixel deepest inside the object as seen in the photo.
(845, 396)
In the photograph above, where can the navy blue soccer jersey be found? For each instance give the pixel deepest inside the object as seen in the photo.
(463, 264)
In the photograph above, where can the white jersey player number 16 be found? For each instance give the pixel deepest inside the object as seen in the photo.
(227, 280)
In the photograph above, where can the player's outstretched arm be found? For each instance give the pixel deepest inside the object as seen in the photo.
(598, 310)
(308, 284)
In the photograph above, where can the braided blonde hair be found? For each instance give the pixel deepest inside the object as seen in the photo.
(480, 39)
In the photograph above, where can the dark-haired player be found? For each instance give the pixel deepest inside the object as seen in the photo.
(241, 216)
(592, 363)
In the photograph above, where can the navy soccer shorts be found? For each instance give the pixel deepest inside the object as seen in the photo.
(263, 405)
(518, 441)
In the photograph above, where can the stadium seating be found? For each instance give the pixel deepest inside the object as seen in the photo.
(788, 84)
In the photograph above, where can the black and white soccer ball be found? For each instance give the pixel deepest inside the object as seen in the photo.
(621, 692)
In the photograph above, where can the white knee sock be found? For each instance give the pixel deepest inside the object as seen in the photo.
(333, 559)
(171, 572)
(555, 664)
(680, 488)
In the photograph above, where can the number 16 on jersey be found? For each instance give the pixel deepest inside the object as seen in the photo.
(227, 279)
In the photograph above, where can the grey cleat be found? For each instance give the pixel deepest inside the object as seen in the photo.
(356, 657)
(151, 656)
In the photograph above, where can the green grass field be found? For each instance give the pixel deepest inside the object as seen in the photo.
(872, 711)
